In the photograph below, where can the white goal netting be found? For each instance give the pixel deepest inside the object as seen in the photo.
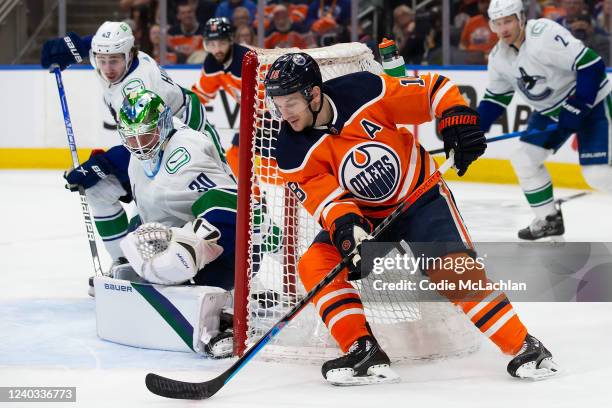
(278, 231)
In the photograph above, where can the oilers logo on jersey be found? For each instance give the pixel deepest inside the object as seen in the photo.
(371, 171)
(366, 157)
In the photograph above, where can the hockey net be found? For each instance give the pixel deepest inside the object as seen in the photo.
(273, 231)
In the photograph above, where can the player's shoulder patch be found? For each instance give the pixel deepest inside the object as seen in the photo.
(132, 85)
(182, 148)
(352, 92)
(362, 85)
(177, 159)
(536, 28)
(292, 148)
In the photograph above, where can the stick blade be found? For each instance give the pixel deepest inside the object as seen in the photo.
(169, 388)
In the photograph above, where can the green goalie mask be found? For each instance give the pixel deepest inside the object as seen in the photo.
(144, 124)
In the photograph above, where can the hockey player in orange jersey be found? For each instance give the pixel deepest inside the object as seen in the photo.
(222, 69)
(341, 153)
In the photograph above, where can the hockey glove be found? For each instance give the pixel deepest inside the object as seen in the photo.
(96, 168)
(348, 233)
(460, 130)
(573, 114)
(171, 256)
(65, 51)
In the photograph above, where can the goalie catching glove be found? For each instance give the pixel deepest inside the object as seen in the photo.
(460, 130)
(348, 233)
(171, 256)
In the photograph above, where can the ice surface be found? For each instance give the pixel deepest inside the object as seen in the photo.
(48, 336)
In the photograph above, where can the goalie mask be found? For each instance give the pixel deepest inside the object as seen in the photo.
(290, 73)
(145, 122)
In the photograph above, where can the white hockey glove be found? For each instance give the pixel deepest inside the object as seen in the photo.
(171, 256)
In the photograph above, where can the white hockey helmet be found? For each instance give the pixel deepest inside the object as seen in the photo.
(504, 8)
(113, 37)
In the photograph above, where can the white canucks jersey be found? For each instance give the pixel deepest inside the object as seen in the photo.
(146, 74)
(543, 70)
(192, 175)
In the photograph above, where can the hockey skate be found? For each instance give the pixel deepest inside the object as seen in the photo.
(533, 361)
(222, 345)
(365, 363)
(551, 227)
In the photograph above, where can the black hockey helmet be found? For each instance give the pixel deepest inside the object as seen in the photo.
(293, 72)
(218, 28)
(290, 73)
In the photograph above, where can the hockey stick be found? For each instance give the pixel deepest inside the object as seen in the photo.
(549, 128)
(75, 163)
(563, 200)
(170, 388)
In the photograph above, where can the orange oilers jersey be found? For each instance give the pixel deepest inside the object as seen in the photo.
(215, 76)
(361, 162)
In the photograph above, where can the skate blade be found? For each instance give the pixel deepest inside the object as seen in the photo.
(559, 239)
(548, 368)
(379, 374)
(221, 349)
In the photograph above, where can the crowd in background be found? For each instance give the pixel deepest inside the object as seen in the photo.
(419, 35)
(293, 23)
(316, 23)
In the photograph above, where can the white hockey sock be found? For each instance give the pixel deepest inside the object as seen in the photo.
(109, 216)
(534, 178)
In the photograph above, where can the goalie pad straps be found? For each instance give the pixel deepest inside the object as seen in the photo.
(171, 256)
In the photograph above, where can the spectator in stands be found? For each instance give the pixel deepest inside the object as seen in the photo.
(463, 10)
(186, 36)
(582, 28)
(226, 8)
(403, 16)
(154, 34)
(572, 9)
(298, 13)
(245, 35)
(205, 10)
(603, 18)
(282, 33)
(329, 19)
(553, 10)
(140, 19)
(477, 35)
(241, 17)
(410, 41)
(128, 5)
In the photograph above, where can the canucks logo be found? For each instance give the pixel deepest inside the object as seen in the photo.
(133, 85)
(527, 82)
(371, 171)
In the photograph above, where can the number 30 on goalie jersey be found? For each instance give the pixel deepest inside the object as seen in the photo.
(365, 162)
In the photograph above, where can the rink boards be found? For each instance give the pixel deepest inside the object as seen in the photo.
(34, 137)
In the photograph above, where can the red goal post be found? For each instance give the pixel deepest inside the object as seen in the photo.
(273, 231)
